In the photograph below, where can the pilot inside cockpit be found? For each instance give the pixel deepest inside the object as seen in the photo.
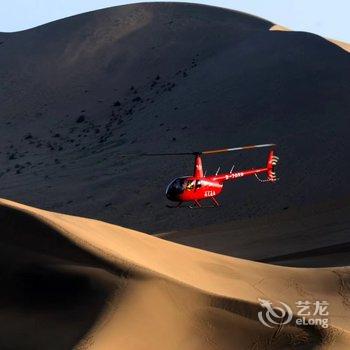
(190, 184)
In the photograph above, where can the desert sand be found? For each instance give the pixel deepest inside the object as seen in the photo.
(105, 264)
(147, 293)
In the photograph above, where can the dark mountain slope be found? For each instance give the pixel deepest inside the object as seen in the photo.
(169, 77)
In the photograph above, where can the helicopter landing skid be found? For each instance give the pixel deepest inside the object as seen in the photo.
(200, 206)
(197, 205)
(179, 205)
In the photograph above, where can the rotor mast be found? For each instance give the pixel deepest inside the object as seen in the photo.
(198, 166)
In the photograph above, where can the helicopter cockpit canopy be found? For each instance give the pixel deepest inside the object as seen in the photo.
(179, 185)
(176, 187)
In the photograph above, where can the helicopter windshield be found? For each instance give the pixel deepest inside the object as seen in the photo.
(175, 188)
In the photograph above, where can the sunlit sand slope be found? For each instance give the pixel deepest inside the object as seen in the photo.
(70, 282)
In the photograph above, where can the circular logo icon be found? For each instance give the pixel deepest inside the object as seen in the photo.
(274, 315)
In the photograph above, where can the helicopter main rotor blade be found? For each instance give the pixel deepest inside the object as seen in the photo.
(237, 148)
(154, 154)
(168, 154)
(140, 154)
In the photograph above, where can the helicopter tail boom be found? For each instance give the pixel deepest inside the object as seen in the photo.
(269, 170)
(238, 174)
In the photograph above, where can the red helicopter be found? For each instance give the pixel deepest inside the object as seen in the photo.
(199, 186)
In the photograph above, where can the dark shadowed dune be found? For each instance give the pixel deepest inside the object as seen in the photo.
(309, 236)
(51, 291)
(173, 77)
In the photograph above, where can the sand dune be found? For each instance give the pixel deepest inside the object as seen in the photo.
(169, 77)
(133, 291)
(313, 236)
(345, 46)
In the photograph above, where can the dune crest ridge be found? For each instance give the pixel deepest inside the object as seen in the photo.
(345, 46)
(150, 293)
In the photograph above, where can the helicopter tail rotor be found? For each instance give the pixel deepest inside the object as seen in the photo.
(271, 166)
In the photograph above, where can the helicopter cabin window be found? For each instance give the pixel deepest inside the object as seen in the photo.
(198, 184)
(179, 184)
